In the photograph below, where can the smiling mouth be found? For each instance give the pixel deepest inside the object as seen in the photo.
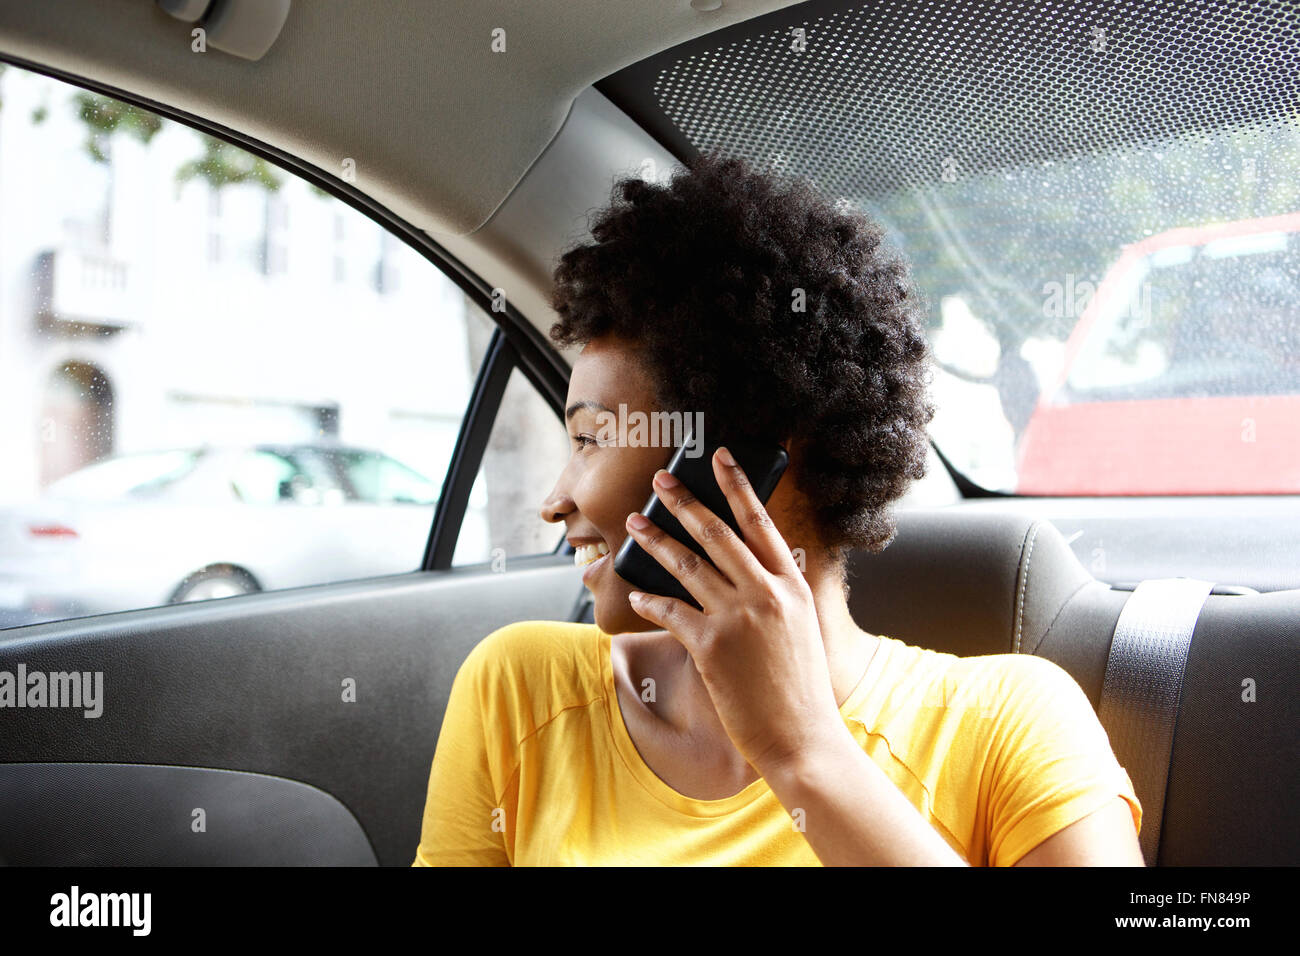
(589, 554)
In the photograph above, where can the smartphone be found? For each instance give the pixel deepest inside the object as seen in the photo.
(763, 466)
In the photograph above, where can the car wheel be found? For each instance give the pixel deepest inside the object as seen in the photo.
(214, 582)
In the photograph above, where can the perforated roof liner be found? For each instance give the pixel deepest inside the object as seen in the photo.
(891, 94)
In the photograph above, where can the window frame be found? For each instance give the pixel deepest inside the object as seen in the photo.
(514, 344)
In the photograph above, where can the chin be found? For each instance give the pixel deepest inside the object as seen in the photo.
(621, 620)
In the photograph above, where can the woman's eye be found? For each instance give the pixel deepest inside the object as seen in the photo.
(584, 440)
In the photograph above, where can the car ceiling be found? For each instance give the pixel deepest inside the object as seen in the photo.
(441, 128)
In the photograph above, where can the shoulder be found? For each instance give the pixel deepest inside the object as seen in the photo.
(1050, 761)
(1039, 710)
(1006, 700)
(996, 677)
(1030, 670)
(1029, 682)
(534, 669)
(533, 643)
(1008, 682)
(925, 678)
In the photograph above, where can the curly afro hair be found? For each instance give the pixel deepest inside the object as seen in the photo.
(758, 302)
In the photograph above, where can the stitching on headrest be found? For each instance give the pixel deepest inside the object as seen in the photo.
(1032, 535)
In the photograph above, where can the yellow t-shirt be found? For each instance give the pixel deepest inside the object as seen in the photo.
(534, 765)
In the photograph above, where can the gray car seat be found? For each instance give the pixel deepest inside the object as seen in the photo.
(1003, 583)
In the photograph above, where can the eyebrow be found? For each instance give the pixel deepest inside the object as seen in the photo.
(579, 406)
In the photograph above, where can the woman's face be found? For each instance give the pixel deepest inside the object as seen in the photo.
(602, 484)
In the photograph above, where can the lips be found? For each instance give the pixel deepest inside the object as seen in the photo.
(594, 567)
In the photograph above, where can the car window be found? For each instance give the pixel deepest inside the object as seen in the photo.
(1063, 345)
(162, 292)
(1019, 177)
(525, 455)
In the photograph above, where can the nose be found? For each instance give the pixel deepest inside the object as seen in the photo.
(556, 506)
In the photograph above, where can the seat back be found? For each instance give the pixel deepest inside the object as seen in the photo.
(1000, 583)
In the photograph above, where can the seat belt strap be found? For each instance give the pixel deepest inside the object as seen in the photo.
(1143, 685)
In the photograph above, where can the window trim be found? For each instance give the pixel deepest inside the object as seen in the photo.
(467, 457)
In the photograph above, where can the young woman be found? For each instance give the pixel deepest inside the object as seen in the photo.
(766, 728)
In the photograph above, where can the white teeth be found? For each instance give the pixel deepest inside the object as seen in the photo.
(587, 553)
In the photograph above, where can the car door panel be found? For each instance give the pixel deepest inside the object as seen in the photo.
(256, 684)
(145, 815)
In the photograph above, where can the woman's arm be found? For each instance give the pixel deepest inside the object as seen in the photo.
(1057, 795)
(1105, 837)
(851, 812)
(462, 824)
(853, 815)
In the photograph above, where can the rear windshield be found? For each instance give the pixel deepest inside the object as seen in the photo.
(1099, 202)
(1080, 307)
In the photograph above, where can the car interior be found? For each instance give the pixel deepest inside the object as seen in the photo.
(482, 136)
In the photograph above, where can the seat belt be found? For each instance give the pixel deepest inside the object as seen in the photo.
(1143, 685)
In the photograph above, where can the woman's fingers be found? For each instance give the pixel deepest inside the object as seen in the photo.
(763, 541)
(724, 547)
(676, 617)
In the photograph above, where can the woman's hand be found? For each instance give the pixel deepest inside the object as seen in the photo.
(757, 643)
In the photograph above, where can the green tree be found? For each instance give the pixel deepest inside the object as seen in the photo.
(105, 118)
(222, 164)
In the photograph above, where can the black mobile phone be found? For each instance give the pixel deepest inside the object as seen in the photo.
(693, 467)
